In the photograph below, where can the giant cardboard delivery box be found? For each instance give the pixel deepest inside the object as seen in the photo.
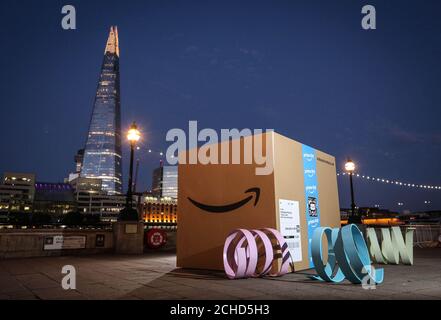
(296, 193)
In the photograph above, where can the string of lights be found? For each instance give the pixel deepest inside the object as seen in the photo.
(143, 149)
(392, 182)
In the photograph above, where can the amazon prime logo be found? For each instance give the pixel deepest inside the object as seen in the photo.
(311, 189)
(310, 172)
(309, 157)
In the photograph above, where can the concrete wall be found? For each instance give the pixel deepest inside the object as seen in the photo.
(128, 237)
(30, 243)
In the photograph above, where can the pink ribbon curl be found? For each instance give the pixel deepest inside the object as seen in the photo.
(241, 253)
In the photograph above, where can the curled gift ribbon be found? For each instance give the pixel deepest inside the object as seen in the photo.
(393, 246)
(241, 253)
(348, 256)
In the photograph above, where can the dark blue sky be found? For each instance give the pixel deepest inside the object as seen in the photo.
(304, 68)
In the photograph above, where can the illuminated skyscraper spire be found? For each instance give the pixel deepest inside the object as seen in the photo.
(112, 45)
(102, 156)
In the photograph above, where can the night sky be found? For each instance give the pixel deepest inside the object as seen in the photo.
(304, 68)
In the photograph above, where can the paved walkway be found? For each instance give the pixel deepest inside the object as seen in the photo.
(154, 276)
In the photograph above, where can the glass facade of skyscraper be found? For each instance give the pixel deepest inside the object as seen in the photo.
(165, 182)
(102, 156)
(170, 182)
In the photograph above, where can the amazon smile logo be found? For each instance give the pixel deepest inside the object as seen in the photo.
(255, 193)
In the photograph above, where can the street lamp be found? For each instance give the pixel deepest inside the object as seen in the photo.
(133, 136)
(350, 168)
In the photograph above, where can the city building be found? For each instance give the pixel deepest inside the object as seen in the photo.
(79, 157)
(89, 185)
(17, 191)
(102, 154)
(165, 182)
(92, 199)
(422, 217)
(372, 216)
(159, 211)
(56, 199)
(107, 206)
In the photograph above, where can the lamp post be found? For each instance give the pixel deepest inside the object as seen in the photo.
(350, 168)
(133, 137)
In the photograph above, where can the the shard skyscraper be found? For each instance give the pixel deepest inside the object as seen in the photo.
(102, 156)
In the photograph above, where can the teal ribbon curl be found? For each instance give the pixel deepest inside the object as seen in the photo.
(348, 256)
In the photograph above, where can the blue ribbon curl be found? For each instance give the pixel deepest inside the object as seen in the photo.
(348, 256)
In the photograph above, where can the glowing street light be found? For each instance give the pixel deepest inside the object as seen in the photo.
(133, 136)
(350, 168)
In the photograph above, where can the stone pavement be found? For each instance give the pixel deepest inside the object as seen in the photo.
(154, 276)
